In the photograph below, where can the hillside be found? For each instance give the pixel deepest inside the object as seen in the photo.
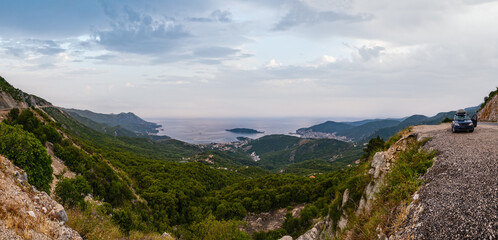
(26, 213)
(362, 131)
(127, 187)
(489, 109)
(277, 152)
(11, 97)
(128, 121)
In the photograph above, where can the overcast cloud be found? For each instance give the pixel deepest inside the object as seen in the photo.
(208, 58)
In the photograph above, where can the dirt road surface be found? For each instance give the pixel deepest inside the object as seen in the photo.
(460, 198)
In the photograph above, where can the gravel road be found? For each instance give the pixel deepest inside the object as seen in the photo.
(460, 200)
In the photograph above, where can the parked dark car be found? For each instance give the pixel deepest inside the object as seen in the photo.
(462, 122)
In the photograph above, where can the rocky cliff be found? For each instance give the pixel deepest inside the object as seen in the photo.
(489, 113)
(26, 213)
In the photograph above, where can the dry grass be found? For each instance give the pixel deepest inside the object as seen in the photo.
(21, 223)
(146, 236)
(92, 226)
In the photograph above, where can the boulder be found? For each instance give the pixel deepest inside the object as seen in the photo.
(313, 233)
(22, 177)
(60, 213)
(286, 237)
(166, 235)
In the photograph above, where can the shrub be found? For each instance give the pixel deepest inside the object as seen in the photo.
(446, 120)
(26, 151)
(72, 192)
(373, 146)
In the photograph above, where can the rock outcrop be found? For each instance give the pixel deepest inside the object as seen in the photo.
(381, 165)
(489, 113)
(268, 221)
(26, 213)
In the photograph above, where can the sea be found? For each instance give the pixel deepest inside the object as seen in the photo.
(213, 130)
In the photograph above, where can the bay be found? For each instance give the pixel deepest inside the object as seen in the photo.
(213, 130)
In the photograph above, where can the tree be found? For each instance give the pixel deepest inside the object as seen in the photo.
(373, 146)
(72, 192)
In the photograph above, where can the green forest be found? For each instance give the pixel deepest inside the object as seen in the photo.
(146, 187)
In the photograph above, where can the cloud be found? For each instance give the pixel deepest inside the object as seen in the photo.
(367, 53)
(25, 47)
(273, 64)
(102, 57)
(141, 33)
(215, 16)
(300, 14)
(215, 52)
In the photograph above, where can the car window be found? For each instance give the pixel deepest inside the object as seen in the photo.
(462, 117)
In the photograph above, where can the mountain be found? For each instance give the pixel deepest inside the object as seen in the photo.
(327, 127)
(362, 131)
(277, 152)
(128, 121)
(365, 130)
(11, 97)
(121, 187)
(355, 131)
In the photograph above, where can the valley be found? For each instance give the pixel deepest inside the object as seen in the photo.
(116, 178)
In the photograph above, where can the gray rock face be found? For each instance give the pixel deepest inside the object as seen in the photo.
(268, 221)
(313, 233)
(345, 197)
(287, 237)
(60, 213)
(379, 164)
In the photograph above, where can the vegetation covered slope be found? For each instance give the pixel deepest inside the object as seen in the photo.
(362, 131)
(129, 121)
(281, 151)
(11, 97)
(143, 185)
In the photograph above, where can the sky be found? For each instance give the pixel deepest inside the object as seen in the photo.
(348, 59)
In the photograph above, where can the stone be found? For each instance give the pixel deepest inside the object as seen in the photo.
(415, 196)
(345, 197)
(60, 213)
(22, 176)
(32, 214)
(286, 237)
(166, 235)
(313, 233)
(378, 163)
(361, 205)
(343, 223)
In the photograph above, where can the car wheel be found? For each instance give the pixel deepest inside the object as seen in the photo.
(472, 130)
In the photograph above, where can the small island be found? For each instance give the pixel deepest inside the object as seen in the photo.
(244, 131)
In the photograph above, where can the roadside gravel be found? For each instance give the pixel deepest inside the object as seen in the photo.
(460, 200)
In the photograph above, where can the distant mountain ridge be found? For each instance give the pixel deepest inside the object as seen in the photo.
(127, 124)
(362, 131)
